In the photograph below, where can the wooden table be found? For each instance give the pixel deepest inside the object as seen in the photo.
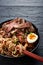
(29, 10)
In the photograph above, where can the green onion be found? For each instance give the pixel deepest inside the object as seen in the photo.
(15, 40)
(30, 32)
(26, 32)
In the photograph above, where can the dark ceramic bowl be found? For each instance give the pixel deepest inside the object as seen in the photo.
(31, 50)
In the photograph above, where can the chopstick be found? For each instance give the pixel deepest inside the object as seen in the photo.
(30, 54)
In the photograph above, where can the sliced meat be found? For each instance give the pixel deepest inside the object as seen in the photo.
(8, 27)
(8, 35)
(32, 29)
(17, 23)
(21, 39)
(2, 33)
(14, 31)
(22, 25)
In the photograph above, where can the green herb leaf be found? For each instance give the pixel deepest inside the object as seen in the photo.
(15, 40)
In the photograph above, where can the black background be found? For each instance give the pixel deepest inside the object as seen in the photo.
(31, 10)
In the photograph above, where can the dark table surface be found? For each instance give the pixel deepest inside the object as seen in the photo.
(29, 10)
